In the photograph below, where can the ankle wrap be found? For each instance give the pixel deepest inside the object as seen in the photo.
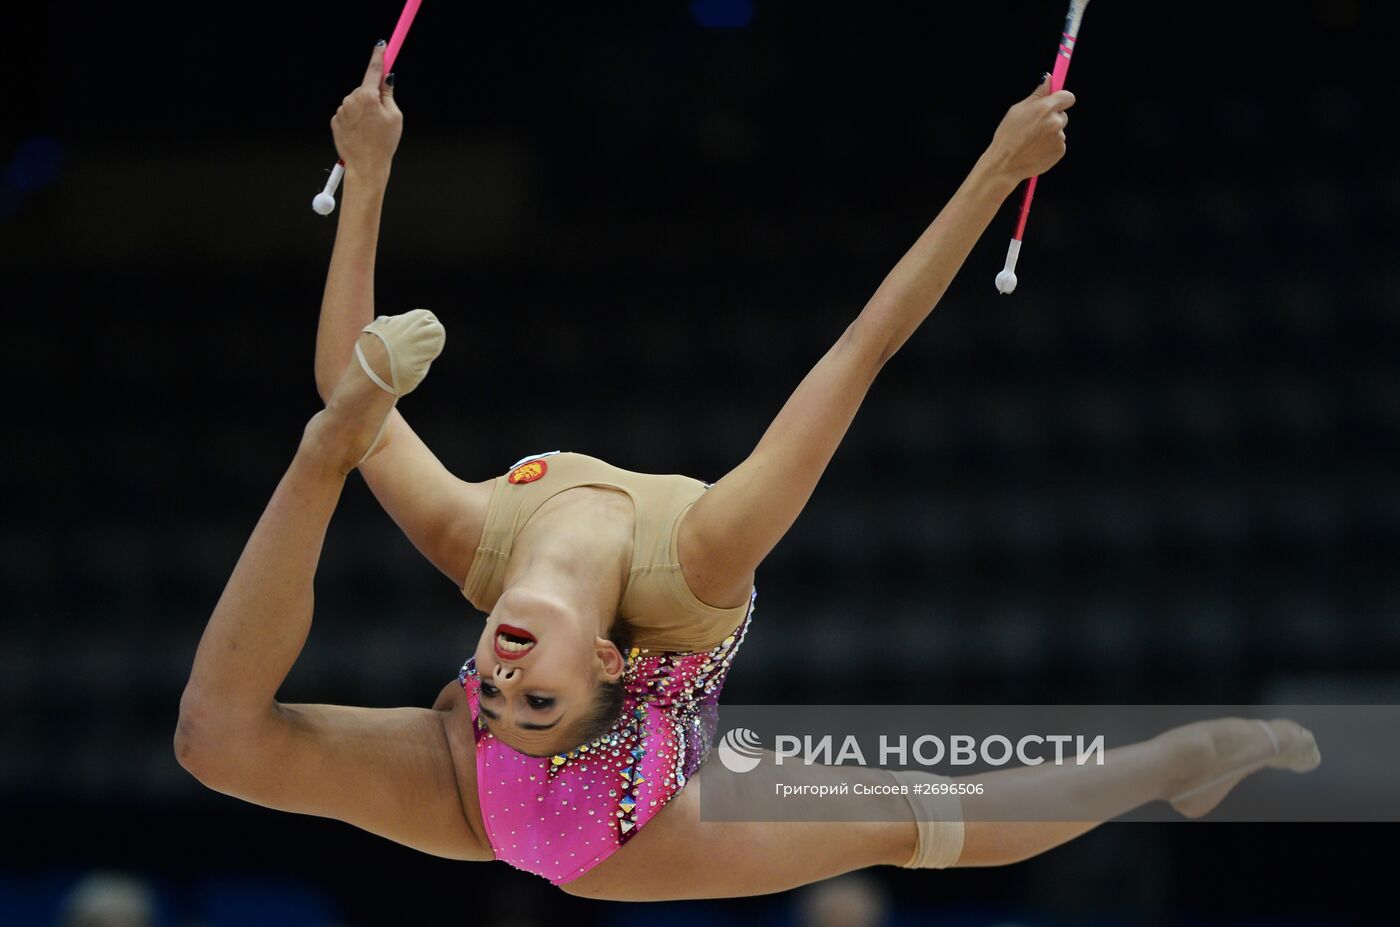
(939, 819)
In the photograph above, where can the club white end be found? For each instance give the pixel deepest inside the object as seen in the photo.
(1006, 280)
(324, 203)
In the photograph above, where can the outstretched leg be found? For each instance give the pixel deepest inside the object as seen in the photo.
(689, 857)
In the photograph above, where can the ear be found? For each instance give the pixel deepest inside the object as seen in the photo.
(610, 658)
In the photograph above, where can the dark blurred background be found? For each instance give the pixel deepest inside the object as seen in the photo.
(1164, 471)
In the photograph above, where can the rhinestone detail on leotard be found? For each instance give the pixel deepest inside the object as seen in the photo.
(559, 816)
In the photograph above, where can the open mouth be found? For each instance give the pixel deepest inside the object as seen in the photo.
(512, 643)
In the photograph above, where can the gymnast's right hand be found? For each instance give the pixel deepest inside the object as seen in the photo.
(368, 124)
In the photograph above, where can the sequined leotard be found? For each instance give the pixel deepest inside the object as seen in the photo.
(559, 816)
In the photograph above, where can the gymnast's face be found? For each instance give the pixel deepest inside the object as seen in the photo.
(539, 671)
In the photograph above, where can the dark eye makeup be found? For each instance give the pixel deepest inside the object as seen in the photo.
(538, 702)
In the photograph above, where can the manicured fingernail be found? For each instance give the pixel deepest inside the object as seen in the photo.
(389, 81)
(381, 42)
(1044, 76)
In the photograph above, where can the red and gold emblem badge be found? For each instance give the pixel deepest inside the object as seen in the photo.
(528, 472)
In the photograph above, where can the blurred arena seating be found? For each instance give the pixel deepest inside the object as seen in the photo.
(1100, 489)
(1164, 471)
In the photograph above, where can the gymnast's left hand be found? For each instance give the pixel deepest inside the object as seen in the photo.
(368, 123)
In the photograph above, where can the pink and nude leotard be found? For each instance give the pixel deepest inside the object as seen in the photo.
(559, 816)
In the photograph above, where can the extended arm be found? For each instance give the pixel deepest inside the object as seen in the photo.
(734, 526)
(441, 514)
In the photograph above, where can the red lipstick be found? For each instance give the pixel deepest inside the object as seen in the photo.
(519, 634)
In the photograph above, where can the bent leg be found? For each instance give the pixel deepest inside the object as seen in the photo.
(389, 771)
(261, 621)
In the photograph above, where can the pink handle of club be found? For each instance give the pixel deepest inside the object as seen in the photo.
(1025, 208)
(1057, 82)
(1061, 69)
(410, 10)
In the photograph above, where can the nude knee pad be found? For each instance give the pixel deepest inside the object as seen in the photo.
(939, 819)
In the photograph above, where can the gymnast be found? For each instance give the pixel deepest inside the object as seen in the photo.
(572, 743)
